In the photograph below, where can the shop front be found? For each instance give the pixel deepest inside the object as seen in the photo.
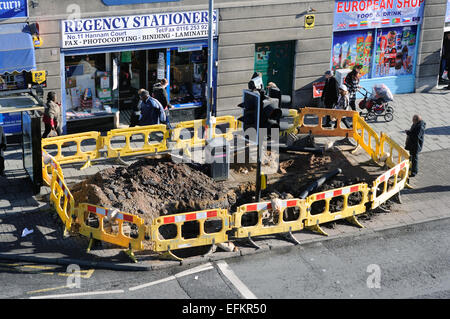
(383, 37)
(106, 60)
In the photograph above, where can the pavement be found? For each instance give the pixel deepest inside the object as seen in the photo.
(427, 201)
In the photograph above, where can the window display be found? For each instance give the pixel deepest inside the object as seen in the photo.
(188, 76)
(395, 50)
(351, 48)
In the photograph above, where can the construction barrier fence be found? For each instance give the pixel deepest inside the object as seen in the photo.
(321, 114)
(214, 226)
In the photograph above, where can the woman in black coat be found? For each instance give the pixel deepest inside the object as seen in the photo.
(330, 93)
(352, 83)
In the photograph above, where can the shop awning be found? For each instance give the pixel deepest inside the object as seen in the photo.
(16, 48)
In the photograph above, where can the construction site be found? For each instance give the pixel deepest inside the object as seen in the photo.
(164, 207)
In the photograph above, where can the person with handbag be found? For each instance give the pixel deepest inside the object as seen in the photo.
(414, 142)
(52, 115)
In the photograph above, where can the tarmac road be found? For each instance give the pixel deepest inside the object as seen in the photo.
(408, 262)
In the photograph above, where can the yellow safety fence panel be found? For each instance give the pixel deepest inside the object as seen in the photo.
(111, 226)
(62, 198)
(366, 137)
(176, 225)
(395, 155)
(267, 220)
(80, 155)
(192, 134)
(48, 165)
(148, 145)
(298, 122)
(389, 183)
(227, 133)
(319, 129)
(324, 198)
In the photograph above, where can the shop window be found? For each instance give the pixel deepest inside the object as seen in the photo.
(188, 76)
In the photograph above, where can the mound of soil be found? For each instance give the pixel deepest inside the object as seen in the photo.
(154, 187)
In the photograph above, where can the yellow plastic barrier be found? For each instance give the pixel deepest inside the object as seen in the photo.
(93, 221)
(80, 155)
(232, 127)
(48, 165)
(319, 129)
(127, 133)
(402, 154)
(372, 146)
(175, 224)
(278, 224)
(348, 212)
(389, 188)
(62, 199)
(298, 122)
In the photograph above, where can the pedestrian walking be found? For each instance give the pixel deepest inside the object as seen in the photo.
(152, 111)
(134, 118)
(160, 93)
(414, 142)
(52, 115)
(2, 150)
(352, 83)
(343, 103)
(446, 56)
(330, 94)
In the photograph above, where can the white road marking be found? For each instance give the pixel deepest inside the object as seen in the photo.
(80, 294)
(195, 270)
(240, 286)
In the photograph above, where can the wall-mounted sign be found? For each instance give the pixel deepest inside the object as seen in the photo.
(309, 21)
(38, 77)
(125, 2)
(318, 89)
(13, 9)
(156, 27)
(37, 41)
(363, 14)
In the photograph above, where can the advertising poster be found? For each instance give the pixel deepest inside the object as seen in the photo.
(395, 51)
(351, 48)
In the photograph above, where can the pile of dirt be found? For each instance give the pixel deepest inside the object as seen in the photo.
(154, 187)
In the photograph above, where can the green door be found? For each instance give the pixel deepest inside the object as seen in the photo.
(275, 60)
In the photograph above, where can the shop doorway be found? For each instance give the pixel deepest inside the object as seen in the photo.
(275, 61)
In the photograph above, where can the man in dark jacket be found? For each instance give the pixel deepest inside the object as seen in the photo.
(330, 93)
(2, 149)
(160, 93)
(152, 111)
(414, 142)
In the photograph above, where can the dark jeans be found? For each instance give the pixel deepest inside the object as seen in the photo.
(2, 165)
(352, 101)
(48, 129)
(414, 158)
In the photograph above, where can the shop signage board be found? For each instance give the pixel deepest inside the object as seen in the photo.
(158, 27)
(13, 9)
(363, 14)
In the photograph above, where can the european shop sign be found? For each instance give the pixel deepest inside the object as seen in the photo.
(13, 9)
(364, 14)
(112, 31)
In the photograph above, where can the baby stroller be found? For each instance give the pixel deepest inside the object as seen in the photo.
(377, 103)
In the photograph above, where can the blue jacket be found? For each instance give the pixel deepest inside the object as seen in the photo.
(152, 112)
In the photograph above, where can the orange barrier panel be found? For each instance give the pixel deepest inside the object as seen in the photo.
(319, 129)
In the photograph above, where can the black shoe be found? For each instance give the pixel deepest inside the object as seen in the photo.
(412, 175)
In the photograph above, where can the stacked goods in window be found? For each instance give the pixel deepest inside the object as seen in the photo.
(86, 99)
